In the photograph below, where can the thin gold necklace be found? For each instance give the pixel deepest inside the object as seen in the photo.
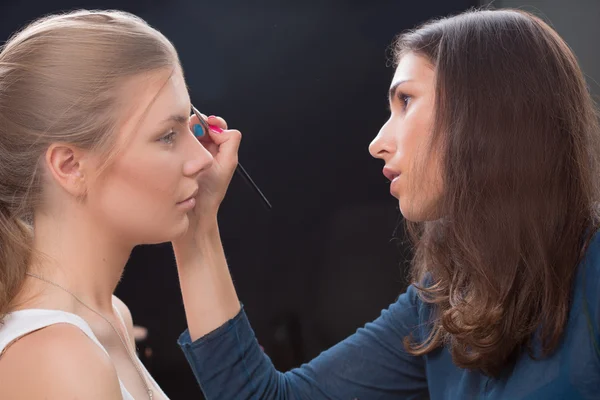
(131, 357)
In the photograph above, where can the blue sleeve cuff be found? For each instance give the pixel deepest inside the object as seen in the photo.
(185, 340)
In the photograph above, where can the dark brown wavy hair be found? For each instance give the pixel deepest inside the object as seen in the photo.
(519, 139)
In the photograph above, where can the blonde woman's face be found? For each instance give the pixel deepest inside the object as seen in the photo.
(142, 195)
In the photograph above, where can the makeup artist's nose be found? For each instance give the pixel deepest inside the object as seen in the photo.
(384, 143)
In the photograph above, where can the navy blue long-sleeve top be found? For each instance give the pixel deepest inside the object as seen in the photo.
(373, 364)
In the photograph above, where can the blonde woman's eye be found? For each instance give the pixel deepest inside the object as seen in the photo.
(169, 138)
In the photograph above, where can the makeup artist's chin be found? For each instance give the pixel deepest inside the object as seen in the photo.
(419, 209)
(409, 212)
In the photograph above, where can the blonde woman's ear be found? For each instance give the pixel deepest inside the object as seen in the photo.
(65, 165)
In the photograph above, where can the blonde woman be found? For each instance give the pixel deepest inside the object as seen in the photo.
(98, 155)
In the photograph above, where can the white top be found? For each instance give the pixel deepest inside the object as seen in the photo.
(20, 323)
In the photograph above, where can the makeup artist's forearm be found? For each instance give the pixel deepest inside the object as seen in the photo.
(209, 296)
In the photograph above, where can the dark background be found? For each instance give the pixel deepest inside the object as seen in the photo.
(306, 82)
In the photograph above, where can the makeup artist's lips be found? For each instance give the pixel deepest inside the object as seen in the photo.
(390, 173)
(190, 202)
(393, 177)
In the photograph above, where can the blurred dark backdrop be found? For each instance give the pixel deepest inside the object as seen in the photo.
(306, 82)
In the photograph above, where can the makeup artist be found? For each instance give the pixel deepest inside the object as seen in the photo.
(492, 150)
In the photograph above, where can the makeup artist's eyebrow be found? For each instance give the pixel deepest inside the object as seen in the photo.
(392, 93)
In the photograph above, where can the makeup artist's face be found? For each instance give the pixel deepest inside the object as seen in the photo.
(403, 141)
(143, 195)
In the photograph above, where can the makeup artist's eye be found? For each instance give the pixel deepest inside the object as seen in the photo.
(169, 138)
(405, 99)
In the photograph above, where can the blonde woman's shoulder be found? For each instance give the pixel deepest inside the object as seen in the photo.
(57, 362)
(127, 320)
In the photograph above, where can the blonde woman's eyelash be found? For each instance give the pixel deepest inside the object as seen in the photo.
(168, 138)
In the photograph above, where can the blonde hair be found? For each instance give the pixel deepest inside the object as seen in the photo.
(60, 80)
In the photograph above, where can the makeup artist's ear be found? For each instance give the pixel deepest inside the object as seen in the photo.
(66, 164)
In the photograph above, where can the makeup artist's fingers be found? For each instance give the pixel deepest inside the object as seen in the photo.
(193, 121)
(217, 121)
(212, 120)
(198, 131)
(228, 142)
(195, 125)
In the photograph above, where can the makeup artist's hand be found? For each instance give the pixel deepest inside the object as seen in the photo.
(223, 144)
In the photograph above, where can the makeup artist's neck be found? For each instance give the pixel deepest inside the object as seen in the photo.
(80, 256)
